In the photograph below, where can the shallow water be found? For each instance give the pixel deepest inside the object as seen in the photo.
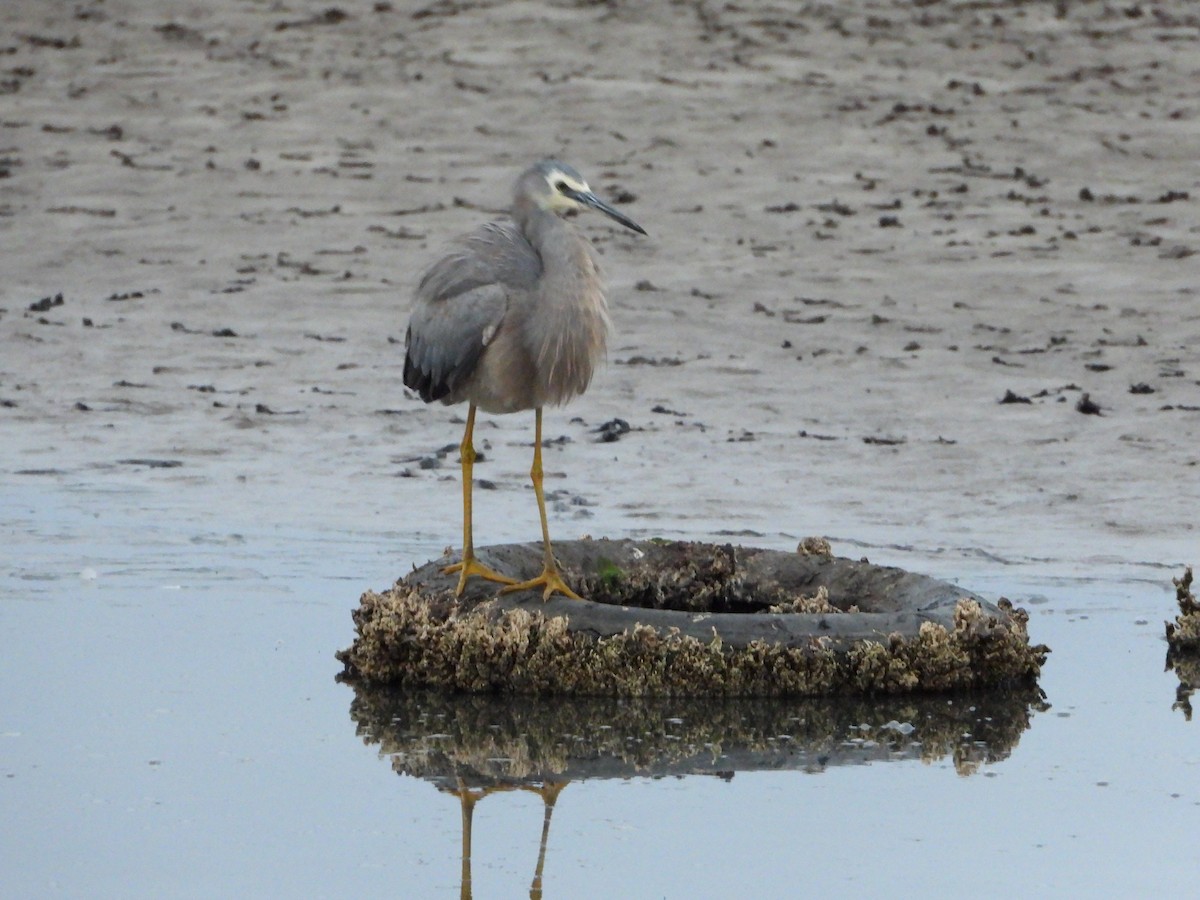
(172, 727)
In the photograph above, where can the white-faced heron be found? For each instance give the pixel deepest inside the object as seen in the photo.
(513, 318)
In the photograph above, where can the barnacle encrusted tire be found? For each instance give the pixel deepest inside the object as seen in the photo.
(677, 618)
(1183, 635)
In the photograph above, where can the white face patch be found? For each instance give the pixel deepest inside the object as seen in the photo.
(488, 334)
(557, 181)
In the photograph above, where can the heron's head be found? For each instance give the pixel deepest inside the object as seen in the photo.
(557, 187)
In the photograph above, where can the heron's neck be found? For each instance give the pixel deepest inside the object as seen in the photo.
(568, 334)
(540, 226)
(557, 244)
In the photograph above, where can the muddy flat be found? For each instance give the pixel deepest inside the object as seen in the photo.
(923, 277)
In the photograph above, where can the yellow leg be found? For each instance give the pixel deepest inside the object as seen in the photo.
(470, 565)
(468, 801)
(549, 793)
(468, 798)
(549, 580)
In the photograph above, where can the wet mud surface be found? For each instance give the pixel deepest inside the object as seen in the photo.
(922, 276)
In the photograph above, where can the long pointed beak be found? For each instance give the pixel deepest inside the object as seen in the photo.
(590, 199)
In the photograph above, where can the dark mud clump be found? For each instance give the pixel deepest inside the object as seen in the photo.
(689, 619)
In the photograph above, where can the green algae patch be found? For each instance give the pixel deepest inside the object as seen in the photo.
(689, 619)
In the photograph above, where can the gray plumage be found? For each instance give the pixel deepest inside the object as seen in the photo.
(513, 317)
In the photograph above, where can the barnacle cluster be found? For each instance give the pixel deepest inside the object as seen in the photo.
(1183, 635)
(672, 643)
(1183, 643)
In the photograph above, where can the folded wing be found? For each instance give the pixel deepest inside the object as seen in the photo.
(461, 303)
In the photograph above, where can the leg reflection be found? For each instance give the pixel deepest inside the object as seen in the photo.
(468, 797)
(549, 792)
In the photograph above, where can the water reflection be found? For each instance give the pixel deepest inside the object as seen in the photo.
(476, 746)
(469, 796)
(1186, 667)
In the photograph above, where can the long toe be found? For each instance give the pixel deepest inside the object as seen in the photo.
(549, 581)
(469, 566)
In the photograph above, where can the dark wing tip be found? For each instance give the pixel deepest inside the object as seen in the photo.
(426, 386)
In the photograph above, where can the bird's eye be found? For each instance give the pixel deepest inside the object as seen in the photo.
(561, 187)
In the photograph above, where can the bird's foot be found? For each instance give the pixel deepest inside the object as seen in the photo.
(549, 791)
(550, 581)
(470, 565)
